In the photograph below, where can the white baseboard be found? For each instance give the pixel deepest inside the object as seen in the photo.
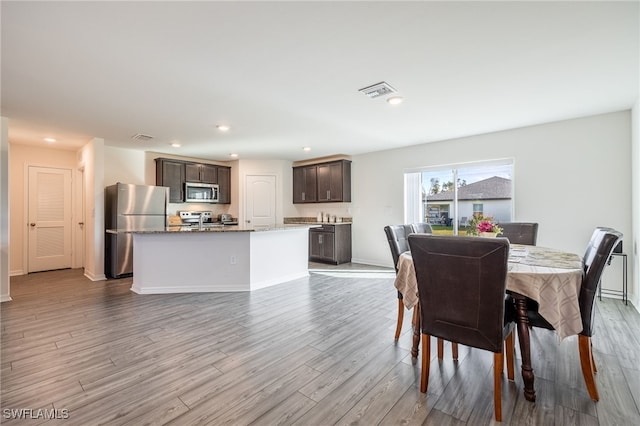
(5, 298)
(372, 262)
(92, 277)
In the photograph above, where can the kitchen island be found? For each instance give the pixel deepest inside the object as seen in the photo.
(184, 259)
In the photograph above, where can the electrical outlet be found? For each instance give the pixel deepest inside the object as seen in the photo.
(233, 260)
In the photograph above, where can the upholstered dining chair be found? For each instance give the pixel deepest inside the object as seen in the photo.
(461, 286)
(398, 244)
(397, 238)
(422, 228)
(520, 232)
(599, 249)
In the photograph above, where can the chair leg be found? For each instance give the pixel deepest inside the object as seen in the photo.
(400, 318)
(426, 356)
(440, 349)
(498, 361)
(509, 349)
(454, 350)
(587, 364)
(593, 360)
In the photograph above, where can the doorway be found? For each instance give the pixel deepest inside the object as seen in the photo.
(49, 219)
(260, 200)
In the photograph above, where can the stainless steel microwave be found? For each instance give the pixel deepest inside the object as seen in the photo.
(195, 192)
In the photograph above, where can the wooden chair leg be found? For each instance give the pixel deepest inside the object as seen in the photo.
(509, 349)
(498, 361)
(440, 349)
(454, 351)
(593, 360)
(586, 362)
(400, 318)
(426, 355)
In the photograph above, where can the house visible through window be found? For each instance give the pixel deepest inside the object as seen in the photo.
(452, 195)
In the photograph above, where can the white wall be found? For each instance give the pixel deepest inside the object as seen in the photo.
(631, 244)
(4, 210)
(123, 165)
(91, 157)
(569, 176)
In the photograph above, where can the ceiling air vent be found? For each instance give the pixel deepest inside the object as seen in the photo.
(141, 137)
(378, 89)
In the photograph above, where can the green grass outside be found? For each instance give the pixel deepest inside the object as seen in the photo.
(448, 230)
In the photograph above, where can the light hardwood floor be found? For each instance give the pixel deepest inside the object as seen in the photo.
(316, 351)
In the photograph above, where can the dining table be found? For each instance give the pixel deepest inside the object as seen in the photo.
(548, 276)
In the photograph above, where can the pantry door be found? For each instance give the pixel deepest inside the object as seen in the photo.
(260, 200)
(49, 219)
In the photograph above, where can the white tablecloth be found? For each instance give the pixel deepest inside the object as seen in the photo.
(550, 277)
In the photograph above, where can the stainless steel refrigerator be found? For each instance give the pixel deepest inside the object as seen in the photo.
(130, 207)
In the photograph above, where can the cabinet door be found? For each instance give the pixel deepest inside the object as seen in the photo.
(315, 244)
(192, 172)
(304, 184)
(334, 182)
(208, 173)
(172, 174)
(328, 246)
(322, 246)
(224, 182)
(330, 182)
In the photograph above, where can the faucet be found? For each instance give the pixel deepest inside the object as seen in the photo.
(200, 221)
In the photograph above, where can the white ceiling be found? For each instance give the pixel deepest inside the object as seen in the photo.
(286, 75)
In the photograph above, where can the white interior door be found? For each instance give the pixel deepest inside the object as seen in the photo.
(260, 200)
(49, 215)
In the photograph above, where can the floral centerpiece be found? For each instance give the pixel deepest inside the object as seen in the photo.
(483, 226)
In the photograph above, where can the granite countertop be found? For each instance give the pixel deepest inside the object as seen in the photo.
(314, 221)
(212, 228)
(322, 223)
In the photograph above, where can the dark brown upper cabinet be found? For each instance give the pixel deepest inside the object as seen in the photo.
(224, 184)
(322, 183)
(174, 173)
(171, 173)
(204, 173)
(305, 184)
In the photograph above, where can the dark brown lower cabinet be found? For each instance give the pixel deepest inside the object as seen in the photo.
(330, 244)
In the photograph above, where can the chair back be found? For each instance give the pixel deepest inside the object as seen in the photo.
(397, 238)
(461, 286)
(422, 228)
(520, 232)
(599, 249)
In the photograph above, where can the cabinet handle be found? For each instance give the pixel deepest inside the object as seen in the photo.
(303, 196)
(320, 239)
(32, 224)
(329, 195)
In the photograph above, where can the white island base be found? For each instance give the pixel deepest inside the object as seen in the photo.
(189, 262)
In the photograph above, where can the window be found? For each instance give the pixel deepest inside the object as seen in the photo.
(480, 188)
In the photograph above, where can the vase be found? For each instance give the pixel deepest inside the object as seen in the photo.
(488, 234)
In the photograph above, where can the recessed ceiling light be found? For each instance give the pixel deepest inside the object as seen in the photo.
(233, 155)
(223, 127)
(306, 148)
(395, 100)
(176, 145)
(50, 140)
